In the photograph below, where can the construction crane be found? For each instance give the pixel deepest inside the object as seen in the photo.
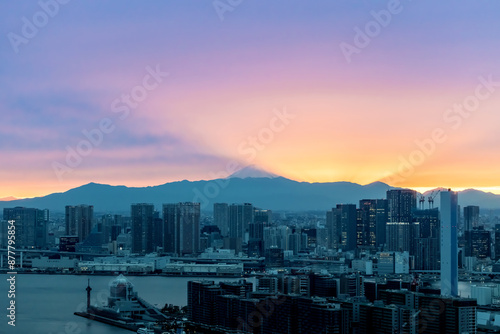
(421, 202)
(431, 197)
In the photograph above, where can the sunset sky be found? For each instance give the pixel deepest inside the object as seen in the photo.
(316, 91)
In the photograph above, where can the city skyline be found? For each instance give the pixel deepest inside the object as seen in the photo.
(165, 91)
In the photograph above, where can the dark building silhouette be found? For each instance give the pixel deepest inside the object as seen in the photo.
(181, 228)
(79, 220)
(237, 309)
(438, 314)
(221, 217)
(262, 219)
(240, 216)
(323, 285)
(274, 257)
(202, 301)
(401, 204)
(115, 232)
(425, 239)
(497, 241)
(317, 315)
(332, 236)
(142, 227)
(471, 217)
(68, 243)
(478, 243)
(341, 223)
(30, 225)
(372, 220)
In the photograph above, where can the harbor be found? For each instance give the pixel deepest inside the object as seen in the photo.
(125, 309)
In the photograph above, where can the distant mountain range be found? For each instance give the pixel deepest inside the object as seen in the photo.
(250, 185)
(10, 198)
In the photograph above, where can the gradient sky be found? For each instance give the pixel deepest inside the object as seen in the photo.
(352, 121)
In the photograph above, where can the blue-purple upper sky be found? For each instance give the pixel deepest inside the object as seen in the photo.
(288, 85)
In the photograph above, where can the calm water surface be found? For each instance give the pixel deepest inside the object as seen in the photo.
(45, 303)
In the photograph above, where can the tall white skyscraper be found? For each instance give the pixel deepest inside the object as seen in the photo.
(449, 247)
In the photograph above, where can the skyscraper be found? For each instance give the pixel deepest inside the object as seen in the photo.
(372, 222)
(142, 227)
(332, 229)
(221, 217)
(497, 241)
(30, 224)
(471, 217)
(182, 228)
(240, 216)
(79, 220)
(449, 245)
(401, 204)
(425, 239)
(345, 220)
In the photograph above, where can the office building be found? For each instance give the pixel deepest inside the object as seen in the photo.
(449, 243)
(471, 217)
(372, 220)
(401, 204)
(341, 223)
(497, 241)
(478, 243)
(332, 237)
(425, 241)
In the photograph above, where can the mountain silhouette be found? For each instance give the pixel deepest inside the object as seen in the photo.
(276, 193)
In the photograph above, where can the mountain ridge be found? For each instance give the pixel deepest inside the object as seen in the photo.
(278, 193)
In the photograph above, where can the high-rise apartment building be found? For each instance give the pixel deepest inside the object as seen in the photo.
(221, 217)
(142, 227)
(181, 228)
(30, 224)
(79, 220)
(240, 216)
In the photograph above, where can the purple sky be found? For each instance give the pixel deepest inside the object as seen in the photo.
(351, 119)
